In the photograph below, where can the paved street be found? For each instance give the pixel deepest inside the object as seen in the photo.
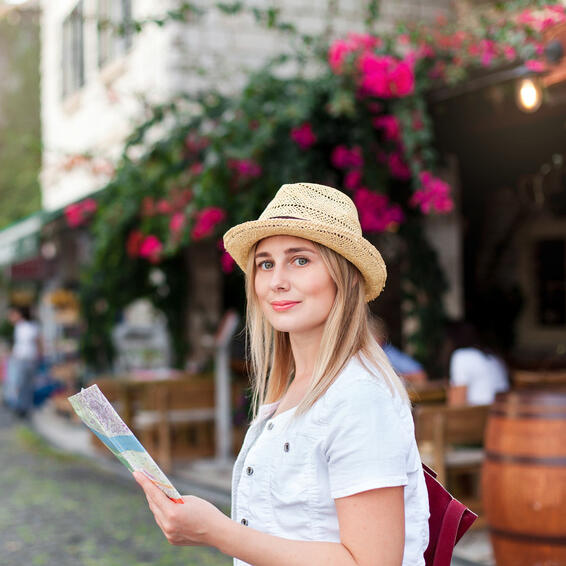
(61, 510)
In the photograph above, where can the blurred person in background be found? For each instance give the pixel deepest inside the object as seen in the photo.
(23, 362)
(476, 372)
(404, 365)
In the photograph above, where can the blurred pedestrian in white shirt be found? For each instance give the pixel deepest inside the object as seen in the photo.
(22, 365)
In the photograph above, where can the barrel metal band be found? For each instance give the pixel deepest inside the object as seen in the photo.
(559, 540)
(513, 459)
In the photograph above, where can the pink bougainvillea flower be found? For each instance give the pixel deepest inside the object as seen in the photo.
(205, 221)
(526, 17)
(227, 262)
(148, 206)
(376, 213)
(398, 167)
(89, 206)
(433, 196)
(364, 40)
(195, 143)
(438, 70)
(375, 71)
(151, 248)
(337, 54)
(196, 168)
(245, 168)
(418, 122)
(74, 215)
(390, 126)
(133, 243)
(353, 179)
(402, 79)
(78, 213)
(535, 66)
(344, 158)
(177, 222)
(425, 50)
(164, 207)
(341, 48)
(386, 77)
(303, 135)
(488, 50)
(509, 52)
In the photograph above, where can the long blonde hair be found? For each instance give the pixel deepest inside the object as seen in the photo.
(348, 331)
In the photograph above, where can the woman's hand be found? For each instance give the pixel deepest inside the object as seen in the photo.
(190, 524)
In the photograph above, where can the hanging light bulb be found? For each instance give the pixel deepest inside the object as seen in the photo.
(529, 95)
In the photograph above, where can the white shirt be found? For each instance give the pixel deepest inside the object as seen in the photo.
(357, 437)
(483, 374)
(25, 340)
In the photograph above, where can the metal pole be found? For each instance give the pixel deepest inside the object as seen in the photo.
(223, 405)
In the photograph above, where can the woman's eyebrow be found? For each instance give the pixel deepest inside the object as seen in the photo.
(288, 251)
(299, 250)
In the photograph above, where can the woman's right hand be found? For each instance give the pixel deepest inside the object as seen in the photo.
(192, 523)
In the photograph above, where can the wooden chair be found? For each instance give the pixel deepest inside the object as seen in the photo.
(450, 440)
(177, 417)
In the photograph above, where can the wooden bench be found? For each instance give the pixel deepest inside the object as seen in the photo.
(450, 440)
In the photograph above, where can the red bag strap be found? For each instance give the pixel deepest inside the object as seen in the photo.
(448, 533)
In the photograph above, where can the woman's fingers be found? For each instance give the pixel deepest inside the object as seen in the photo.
(152, 492)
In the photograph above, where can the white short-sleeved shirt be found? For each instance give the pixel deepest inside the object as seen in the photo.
(484, 375)
(357, 437)
(25, 340)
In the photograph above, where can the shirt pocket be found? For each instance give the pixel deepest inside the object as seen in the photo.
(292, 483)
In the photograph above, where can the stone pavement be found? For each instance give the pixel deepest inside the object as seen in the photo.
(102, 520)
(60, 509)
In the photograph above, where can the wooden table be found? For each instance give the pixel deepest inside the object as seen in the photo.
(433, 391)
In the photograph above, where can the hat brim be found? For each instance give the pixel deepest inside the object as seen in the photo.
(239, 240)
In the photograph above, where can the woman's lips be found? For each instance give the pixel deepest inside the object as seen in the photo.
(283, 305)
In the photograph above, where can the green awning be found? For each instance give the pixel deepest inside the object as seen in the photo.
(20, 241)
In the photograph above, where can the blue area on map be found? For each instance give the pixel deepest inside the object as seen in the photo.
(121, 443)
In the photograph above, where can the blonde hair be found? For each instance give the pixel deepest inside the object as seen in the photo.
(348, 332)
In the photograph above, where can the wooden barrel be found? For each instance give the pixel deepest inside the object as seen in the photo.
(524, 478)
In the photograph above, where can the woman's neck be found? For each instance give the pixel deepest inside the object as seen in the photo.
(305, 353)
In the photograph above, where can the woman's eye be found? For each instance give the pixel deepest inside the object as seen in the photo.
(266, 265)
(301, 261)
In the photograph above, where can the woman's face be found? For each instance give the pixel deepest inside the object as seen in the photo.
(293, 285)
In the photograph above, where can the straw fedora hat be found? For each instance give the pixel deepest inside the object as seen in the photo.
(318, 213)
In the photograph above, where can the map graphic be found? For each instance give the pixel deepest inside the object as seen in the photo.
(99, 416)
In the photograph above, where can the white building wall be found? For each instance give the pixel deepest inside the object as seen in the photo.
(161, 63)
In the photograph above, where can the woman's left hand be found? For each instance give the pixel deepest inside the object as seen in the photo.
(192, 523)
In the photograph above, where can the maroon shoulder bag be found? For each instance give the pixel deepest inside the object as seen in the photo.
(449, 520)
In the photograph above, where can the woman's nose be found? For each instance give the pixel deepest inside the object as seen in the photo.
(279, 281)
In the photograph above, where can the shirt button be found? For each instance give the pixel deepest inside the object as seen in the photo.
(249, 470)
(269, 426)
(244, 522)
(286, 447)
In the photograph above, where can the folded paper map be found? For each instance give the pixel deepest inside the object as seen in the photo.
(98, 414)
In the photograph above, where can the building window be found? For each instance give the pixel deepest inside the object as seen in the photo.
(114, 29)
(73, 51)
(551, 282)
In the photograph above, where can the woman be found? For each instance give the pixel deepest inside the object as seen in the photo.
(329, 471)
